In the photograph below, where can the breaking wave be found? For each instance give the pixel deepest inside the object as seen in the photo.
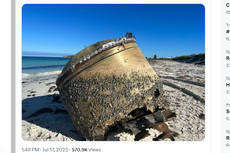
(29, 75)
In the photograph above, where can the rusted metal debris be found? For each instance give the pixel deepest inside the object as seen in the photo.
(106, 83)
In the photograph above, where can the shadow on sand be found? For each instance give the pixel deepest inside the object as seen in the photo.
(48, 112)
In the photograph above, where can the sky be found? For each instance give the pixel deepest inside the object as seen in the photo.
(160, 29)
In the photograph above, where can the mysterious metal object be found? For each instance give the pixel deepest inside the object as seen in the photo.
(106, 83)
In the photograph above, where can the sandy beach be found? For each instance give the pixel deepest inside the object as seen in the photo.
(44, 117)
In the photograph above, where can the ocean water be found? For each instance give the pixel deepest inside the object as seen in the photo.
(38, 66)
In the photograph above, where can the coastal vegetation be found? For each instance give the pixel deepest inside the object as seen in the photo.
(193, 58)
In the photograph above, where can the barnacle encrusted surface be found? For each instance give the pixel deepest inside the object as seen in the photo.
(105, 89)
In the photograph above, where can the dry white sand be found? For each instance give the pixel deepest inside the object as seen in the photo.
(44, 117)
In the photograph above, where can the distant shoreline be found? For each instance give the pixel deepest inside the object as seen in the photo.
(193, 58)
(69, 56)
(45, 56)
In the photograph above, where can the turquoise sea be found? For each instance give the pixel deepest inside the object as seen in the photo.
(32, 65)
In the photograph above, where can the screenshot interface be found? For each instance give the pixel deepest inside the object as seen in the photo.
(119, 76)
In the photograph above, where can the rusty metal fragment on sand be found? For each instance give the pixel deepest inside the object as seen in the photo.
(107, 83)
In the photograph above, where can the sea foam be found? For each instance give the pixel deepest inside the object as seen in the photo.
(30, 75)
